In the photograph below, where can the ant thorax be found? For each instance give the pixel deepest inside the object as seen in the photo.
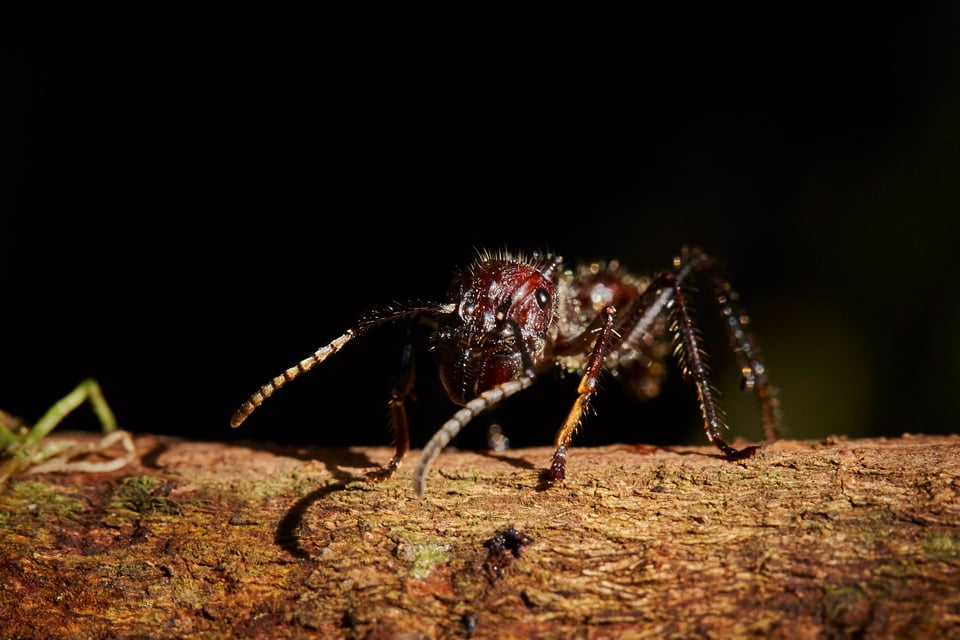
(584, 292)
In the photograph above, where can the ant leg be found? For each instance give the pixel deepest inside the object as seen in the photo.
(752, 368)
(401, 438)
(586, 389)
(398, 415)
(693, 364)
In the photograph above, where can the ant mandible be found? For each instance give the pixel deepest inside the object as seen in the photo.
(510, 318)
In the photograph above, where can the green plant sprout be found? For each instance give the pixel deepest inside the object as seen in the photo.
(24, 450)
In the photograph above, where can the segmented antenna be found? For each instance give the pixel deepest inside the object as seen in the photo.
(260, 395)
(374, 318)
(486, 400)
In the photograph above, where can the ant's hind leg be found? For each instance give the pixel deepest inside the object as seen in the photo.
(742, 343)
(694, 367)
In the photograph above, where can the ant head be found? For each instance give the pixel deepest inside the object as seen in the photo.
(505, 307)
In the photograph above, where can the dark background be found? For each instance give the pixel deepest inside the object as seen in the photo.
(194, 199)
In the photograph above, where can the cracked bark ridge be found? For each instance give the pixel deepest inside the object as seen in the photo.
(833, 539)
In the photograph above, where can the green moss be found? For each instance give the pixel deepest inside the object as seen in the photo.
(39, 501)
(134, 570)
(140, 496)
(941, 546)
(838, 604)
(188, 592)
(265, 488)
(423, 556)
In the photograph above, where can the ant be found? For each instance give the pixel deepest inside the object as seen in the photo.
(512, 317)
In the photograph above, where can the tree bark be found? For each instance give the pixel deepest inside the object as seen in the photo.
(833, 539)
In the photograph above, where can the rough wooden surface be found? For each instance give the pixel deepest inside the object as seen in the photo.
(839, 539)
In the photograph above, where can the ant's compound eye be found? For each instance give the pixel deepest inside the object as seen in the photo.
(543, 298)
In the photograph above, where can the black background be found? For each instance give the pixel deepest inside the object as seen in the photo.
(196, 198)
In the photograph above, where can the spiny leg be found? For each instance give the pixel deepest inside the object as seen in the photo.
(585, 390)
(630, 327)
(694, 367)
(398, 415)
(752, 368)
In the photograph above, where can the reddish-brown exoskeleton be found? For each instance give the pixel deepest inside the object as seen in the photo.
(511, 318)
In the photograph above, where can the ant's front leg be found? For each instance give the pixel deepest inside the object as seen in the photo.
(588, 386)
(398, 414)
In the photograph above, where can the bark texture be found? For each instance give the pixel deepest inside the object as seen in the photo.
(834, 539)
